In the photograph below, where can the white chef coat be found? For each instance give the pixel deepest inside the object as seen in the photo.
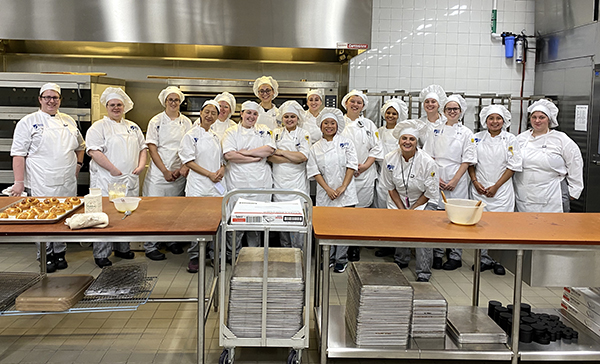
(451, 146)
(166, 134)
(121, 143)
(363, 133)
(219, 127)
(331, 160)
(310, 124)
(204, 148)
(547, 160)
(494, 156)
(411, 179)
(268, 117)
(291, 175)
(48, 144)
(248, 175)
(426, 131)
(389, 143)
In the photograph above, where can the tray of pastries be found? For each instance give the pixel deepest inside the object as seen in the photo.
(39, 210)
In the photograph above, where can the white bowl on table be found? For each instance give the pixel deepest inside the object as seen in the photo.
(123, 204)
(464, 212)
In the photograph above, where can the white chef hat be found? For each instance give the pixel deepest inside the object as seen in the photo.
(494, 109)
(355, 93)
(548, 108)
(398, 105)
(316, 91)
(269, 81)
(410, 131)
(115, 93)
(435, 92)
(213, 103)
(333, 113)
(250, 105)
(291, 106)
(162, 96)
(50, 86)
(460, 101)
(405, 125)
(228, 98)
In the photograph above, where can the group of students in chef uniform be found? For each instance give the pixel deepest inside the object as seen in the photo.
(402, 165)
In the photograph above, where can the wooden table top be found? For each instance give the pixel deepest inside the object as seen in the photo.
(433, 226)
(154, 216)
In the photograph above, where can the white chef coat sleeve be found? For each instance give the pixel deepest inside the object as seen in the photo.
(574, 164)
(187, 123)
(376, 150)
(469, 154)
(304, 140)
(387, 169)
(152, 131)
(351, 156)
(95, 138)
(229, 140)
(140, 139)
(271, 140)
(312, 168)
(515, 158)
(432, 181)
(187, 148)
(22, 138)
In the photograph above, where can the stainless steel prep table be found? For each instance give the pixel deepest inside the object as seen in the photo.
(156, 219)
(403, 228)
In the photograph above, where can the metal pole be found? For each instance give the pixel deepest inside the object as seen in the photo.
(318, 273)
(325, 306)
(201, 273)
(216, 262)
(517, 306)
(476, 277)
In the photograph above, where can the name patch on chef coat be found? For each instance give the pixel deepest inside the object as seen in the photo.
(391, 167)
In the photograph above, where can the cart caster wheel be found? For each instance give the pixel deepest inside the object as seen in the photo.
(224, 358)
(293, 357)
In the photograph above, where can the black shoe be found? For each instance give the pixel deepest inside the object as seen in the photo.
(499, 269)
(125, 255)
(422, 279)
(484, 267)
(401, 265)
(354, 254)
(103, 262)
(154, 255)
(437, 263)
(384, 252)
(452, 264)
(193, 265)
(175, 249)
(60, 261)
(50, 263)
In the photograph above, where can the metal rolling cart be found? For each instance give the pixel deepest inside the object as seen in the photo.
(297, 340)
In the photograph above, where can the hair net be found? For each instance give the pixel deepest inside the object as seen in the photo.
(548, 108)
(399, 106)
(333, 113)
(250, 105)
(316, 91)
(269, 81)
(228, 98)
(460, 101)
(115, 93)
(291, 106)
(213, 103)
(406, 124)
(50, 86)
(433, 92)
(162, 96)
(355, 93)
(494, 109)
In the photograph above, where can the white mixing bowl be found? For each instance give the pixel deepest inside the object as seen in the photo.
(464, 212)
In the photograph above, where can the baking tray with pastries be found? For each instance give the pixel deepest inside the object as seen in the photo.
(39, 210)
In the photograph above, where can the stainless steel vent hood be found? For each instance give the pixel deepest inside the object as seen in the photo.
(238, 23)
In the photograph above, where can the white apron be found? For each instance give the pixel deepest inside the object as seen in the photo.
(537, 188)
(123, 152)
(290, 175)
(50, 170)
(389, 144)
(171, 132)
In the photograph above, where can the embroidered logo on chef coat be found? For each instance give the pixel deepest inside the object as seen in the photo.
(477, 140)
(38, 126)
(377, 134)
(344, 145)
(432, 174)
(472, 140)
(436, 131)
(368, 133)
(391, 167)
(307, 138)
(510, 149)
(195, 140)
(133, 128)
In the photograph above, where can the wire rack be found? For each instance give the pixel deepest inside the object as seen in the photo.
(12, 284)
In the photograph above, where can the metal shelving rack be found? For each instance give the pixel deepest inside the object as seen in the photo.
(227, 338)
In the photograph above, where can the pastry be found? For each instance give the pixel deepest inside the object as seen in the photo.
(23, 216)
(33, 200)
(3, 215)
(74, 200)
(12, 211)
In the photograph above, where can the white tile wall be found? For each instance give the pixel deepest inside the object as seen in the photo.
(419, 42)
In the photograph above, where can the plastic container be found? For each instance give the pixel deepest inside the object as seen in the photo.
(93, 201)
(123, 204)
(464, 212)
(509, 44)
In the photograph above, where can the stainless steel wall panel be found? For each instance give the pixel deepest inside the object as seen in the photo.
(556, 15)
(245, 23)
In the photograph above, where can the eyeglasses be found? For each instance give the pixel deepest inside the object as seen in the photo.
(174, 101)
(115, 105)
(264, 92)
(48, 98)
(453, 109)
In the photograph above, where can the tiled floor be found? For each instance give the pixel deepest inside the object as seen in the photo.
(166, 332)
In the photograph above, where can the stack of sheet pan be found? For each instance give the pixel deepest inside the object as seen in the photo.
(285, 293)
(472, 325)
(429, 311)
(378, 304)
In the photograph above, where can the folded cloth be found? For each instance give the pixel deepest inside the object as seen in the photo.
(90, 219)
(8, 192)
